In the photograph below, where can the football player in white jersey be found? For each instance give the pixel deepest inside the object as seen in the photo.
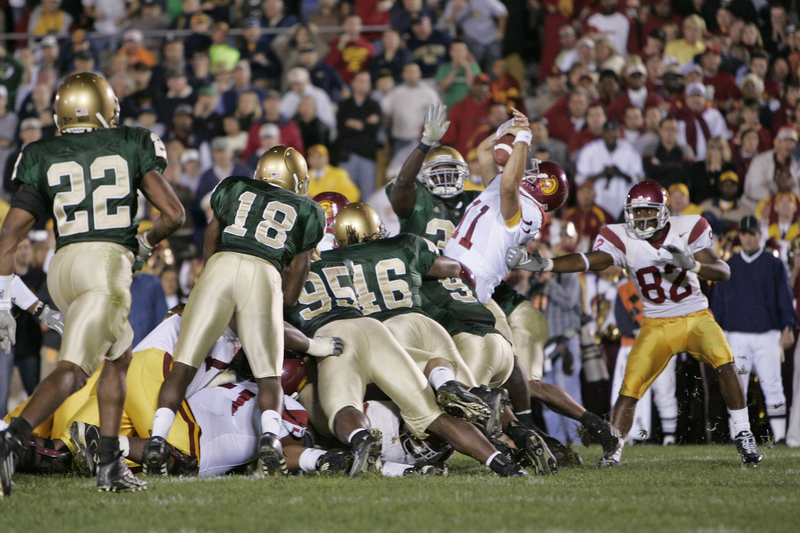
(664, 256)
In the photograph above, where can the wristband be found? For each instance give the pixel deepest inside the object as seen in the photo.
(424, 148)
(524, 137)
(548, 267)
(696, 268)
(145, 241)
(586, 261)
(5, 292)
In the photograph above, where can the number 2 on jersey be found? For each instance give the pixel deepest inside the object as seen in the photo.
(271, 221)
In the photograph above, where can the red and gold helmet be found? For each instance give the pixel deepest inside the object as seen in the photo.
(332, 203)
(547, 183)
(646, 195)
(294, 376)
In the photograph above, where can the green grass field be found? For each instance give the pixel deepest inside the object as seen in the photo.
(680, 488)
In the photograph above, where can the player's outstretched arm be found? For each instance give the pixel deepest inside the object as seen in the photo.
(16, 226)
(159, 193)
(705, 263)
(295, 274)
(296, 341)
(404, 193)
(517, 257)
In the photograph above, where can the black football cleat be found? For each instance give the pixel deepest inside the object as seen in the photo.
(84, 438)
(496, 400)
(534, 452)
(10, 451)
(746, 444)
(156, 457)
(117, 477)
(271, 461)
(505, 467)
(334, 461)
(563, 453)
(463, 404)
(367, 447)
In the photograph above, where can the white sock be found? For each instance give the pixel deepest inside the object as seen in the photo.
(740, 419)
(124, 446)
(523, 413)
(390, 469)
(271, 422)
(308, 459)
(778, 424)
(669, 425)
(162, 422)
(354, 433)
(491, 457)
(439, 376)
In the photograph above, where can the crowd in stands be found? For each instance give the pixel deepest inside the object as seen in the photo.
(702, 97)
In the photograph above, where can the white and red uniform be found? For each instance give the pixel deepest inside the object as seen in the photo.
(482, 238)
(666, 291)
(230, 424)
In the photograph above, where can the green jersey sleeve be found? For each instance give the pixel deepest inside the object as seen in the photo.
(153, 153)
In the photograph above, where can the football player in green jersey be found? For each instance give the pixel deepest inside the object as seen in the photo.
(88, 179)
(261, 228)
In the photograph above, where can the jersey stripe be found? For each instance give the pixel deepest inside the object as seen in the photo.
(613, 238)
(698, 229)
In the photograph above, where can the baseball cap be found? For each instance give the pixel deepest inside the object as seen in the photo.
(749, 224)
(269, 130)
(318, 148)
(84, 55)
(30, 124)
(786, 133)
(190, 155)
(679, 187)
(634, 68)
(698, 89)
(297, 75)
(48, 40)
(199, 18)
(712, 49)
(694, 68)
(133, 35)
(146, 108)
(729, 175)
(183, 109)
(219, 143)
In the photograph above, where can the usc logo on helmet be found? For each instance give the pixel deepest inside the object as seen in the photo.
(548, 185)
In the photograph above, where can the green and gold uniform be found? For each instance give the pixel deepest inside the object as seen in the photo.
(88, 182)
(262, 227)
(328, 306)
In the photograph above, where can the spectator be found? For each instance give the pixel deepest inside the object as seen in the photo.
(650, 135)
(350, 53)
(586, 55)
(133, 47)
(667, 161)
(482, 23)
(10, 75)
(765, 167)
(183, 127)
(785, 115)
(222, 167)
(679, 203)
(273, 16)
(595, 121)
(505, 88)
(393, 57)
(765, 211)
(171, 287)
(312, 129)
(179, 92)
(785, 229)
(264, 64)
(674, 92)
(106, 17)
(724, 211)
(556, 90)
(759, 65)
(497, 116)
(325, 177)
(190, 163)
(614, 25)
(151, 20)
(404, 109)
(322, 74)
(248, 110)
(207, 122)
(697, 122)
(468, 114)
(199, 71)
(742, 154)
(613, 165)
(198, 40)
(269, 136)
(236, 138)
(288, 46)
(454, 77)
(567, 55)
(633, 126)
(48, 17)
(39, 105)
(564, 126)
(428, 46)
(607, 57)
(540, 137)
(172, 59)
(301, 86)
(587, 217)
(373, 13)
(221, 52)
(692, 43)
(608, 88)
(358, 119)
(329, 15)
(148, 305)
(147, 118)
(636, 93)
(751, 109)
(705, 174)
(754, 309)
(723, 83)
(404, 13)
(242, 77)
(289, 133)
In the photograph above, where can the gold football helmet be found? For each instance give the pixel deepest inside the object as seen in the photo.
(86, 100)
(357, 222)
(284, 167)
(444, 171)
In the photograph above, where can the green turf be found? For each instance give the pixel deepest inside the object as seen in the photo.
(680, 488)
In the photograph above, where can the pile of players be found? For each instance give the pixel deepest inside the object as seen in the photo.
(455, 354)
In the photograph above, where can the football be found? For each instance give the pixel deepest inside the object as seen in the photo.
(502, 149)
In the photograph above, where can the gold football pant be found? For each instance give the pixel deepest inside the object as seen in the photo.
(490, 357)
(372, 355)
(425, 339)
(90, 283)
(250, 287)
(660, 338)
(527, 329)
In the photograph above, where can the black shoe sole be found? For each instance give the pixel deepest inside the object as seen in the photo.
(367, 457)
(271, 462)
(452, 404)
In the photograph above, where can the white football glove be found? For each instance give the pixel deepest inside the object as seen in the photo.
(680, 258)
(518, 257)
(145, 248)
(50, 318)
(436, 124)
(325, 346)
(8, 330)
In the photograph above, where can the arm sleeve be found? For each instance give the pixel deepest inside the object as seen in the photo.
(606, 242)
(21, 295)
(30, 199)
(315, 229)
(701, 236)
(425, 254)
(153, 153)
